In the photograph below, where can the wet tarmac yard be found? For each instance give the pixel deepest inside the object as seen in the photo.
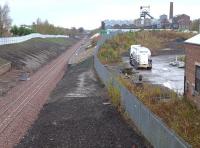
(162, 73)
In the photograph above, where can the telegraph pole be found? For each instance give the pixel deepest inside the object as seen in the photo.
(199, 25)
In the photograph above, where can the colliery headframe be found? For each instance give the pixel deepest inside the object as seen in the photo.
(144, 12)
(147, 21)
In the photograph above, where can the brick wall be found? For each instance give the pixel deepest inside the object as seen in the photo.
(4, 68)
(192, 58)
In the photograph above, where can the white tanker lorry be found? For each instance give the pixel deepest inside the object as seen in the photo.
(140, 57)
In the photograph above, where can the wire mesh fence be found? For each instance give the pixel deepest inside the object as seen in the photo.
(14, 40)
(155, 131)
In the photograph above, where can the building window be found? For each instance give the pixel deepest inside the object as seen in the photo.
(197, 79)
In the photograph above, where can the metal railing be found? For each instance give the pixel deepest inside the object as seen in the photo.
(14, 40)
(151, 126)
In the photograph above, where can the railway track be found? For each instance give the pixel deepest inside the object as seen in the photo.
(24, 99)
(20, 89)
(14, 106)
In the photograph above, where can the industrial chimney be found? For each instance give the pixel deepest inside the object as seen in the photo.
(171, 11)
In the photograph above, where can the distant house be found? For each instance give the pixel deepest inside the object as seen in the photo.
(192, 70)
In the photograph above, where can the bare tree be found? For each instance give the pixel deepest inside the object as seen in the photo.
(194, 26)
(5, 20)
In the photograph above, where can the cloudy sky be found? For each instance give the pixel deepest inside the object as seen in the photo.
(89, 13)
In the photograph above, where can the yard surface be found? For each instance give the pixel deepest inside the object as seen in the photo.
(75, 116)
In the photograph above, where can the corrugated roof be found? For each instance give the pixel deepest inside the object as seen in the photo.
(194, 40)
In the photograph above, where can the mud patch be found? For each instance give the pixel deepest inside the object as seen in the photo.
(82, 89)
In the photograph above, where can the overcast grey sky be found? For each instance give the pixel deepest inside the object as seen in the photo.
(89, 13)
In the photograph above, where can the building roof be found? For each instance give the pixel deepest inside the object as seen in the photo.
(194, 40)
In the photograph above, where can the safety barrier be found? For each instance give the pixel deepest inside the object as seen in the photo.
(151, 126)
(14, 40)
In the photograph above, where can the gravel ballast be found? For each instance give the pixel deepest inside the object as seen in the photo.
(76, 116)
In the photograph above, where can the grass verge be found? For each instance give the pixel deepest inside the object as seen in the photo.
(115, 96)
(177, 112)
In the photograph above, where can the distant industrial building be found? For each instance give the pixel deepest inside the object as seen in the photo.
(147, 21)
(192, 70)
(143, 23)
(181, 22)
(171, 11)
(119, 24)
(138, 22)
(163, 17)
(164, 22)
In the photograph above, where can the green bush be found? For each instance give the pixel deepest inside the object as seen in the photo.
(20, 31)
(181, 58)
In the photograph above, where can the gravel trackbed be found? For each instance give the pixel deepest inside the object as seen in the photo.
(75, 116)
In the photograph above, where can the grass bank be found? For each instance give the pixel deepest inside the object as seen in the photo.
(3, 61)
(35, 52)
(61, 41)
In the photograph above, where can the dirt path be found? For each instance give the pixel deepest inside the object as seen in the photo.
(75, 116)
(20, 107)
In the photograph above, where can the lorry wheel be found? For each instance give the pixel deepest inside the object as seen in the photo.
(136, 66)
(131, 63)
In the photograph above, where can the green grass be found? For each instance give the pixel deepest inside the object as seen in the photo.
(56, 40)
(61, 41)
(52, 47)
(178, 113)
(109, 55)
(3, 61)
(115, 96)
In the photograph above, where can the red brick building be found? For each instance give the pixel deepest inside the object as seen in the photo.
(182, 21)
(192, 70)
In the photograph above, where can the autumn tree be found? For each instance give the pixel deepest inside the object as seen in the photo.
(81, 29)
(195, 25)
(44, 27)
(5, 20)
